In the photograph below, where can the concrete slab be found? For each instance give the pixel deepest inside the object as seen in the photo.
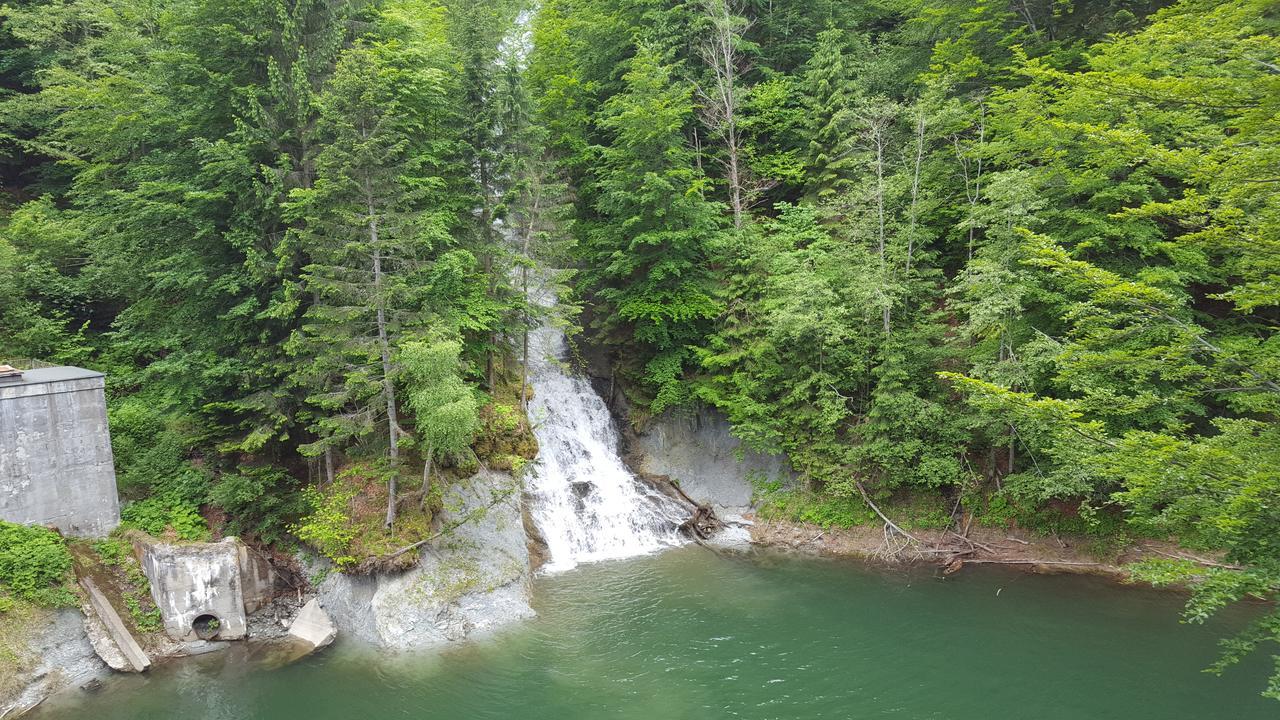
(116, 628)
(313, 625)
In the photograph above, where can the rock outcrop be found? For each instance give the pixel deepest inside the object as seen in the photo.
(698, 453)
(473, 580)
(51, 652)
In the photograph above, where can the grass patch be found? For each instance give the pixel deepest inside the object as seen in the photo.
(16, 626)
(346, 519)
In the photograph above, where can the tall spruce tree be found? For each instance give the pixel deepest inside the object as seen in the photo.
(647, 255)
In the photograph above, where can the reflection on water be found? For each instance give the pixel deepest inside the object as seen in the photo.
(689, 634)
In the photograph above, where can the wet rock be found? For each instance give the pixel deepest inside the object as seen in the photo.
(272, 621)
(199, 647)
(734, 533)
(698, 453)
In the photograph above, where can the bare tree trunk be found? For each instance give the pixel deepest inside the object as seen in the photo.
(426, 475)
(879, 128)
(720, 52)
(328, 464)
(486, 231)
(1013, 436)
(524, 281)
(915, 186)
(388, 384)
(973, 193)
(524, 343)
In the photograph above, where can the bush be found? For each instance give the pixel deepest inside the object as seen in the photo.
(824, 510)
(153, 468)
(329, 527)
(260, 501)
(35, 565)
(160, 514)
(152, 452)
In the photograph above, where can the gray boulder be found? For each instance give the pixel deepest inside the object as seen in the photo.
(699, 454)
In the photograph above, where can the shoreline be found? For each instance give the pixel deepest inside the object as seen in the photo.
(1013, 548)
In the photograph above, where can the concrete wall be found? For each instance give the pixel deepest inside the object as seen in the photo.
(195, 579)
(257, 579)
(55, 452)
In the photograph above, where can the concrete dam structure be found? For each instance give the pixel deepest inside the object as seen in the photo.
(56, 466)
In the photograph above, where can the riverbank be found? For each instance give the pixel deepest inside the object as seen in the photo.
(1014, 548)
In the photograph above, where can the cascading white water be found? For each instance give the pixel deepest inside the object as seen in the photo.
(586, 503)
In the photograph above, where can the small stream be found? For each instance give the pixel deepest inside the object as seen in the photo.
(689, 634)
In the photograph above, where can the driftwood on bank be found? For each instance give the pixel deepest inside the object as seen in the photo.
(954, 555)
(1000, 561)
(961, 549)
(888, 523)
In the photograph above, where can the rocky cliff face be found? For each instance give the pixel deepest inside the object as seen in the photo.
(473, 581)
(52, 653)
(700, 455)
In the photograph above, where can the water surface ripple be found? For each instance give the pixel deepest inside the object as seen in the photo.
(689, 634)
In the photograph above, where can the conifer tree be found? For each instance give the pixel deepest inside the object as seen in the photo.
(369, 235)
(647, 255)
(831, 101)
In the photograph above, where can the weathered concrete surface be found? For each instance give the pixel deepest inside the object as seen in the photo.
(102, 642)
(122, 641)
(698, 452)
(53, 653)
(257, 579)
(313, 625)
(195, 579)
(473, 581)
(56, 466)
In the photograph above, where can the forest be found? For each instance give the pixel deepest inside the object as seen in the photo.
(1021, 257)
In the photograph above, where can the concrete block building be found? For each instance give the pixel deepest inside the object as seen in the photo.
(56, 466)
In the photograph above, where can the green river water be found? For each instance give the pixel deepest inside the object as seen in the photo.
(691, 634)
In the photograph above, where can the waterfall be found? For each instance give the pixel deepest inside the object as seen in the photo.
(586, 503)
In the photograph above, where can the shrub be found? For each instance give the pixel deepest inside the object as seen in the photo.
(260, 501)
(329, 527)
(35, 565)
(161, 513)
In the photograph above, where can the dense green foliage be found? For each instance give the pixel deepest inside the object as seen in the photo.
(248, 215)
(1022, 255)
(1017, 256)
(34, 566)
